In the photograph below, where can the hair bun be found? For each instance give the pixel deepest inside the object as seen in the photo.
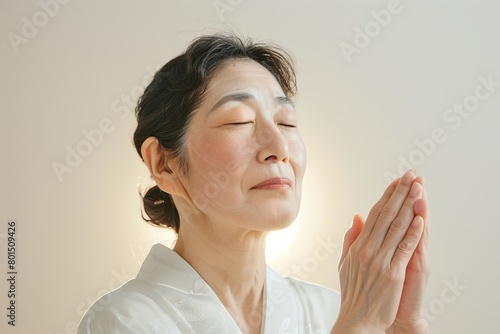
(160, 209)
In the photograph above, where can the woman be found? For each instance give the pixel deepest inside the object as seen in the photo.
(217, 129)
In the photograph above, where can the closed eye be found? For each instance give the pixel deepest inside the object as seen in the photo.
(286, 125)
(240, 123)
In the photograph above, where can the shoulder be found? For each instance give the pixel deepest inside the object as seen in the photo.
(133, 308)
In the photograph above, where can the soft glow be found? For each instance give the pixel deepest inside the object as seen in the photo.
(279, 242)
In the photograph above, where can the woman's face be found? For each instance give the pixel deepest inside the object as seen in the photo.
(245, 153)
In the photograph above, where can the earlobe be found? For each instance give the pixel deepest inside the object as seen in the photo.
(155, 158)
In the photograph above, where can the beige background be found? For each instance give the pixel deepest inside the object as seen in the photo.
(70, 68)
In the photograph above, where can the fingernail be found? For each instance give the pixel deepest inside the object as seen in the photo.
(415, 189)
(408, 177)
(418, 221)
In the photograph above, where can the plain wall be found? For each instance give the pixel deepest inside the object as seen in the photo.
(366, 105)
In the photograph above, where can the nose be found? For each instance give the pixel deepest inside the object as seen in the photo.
(273, 145)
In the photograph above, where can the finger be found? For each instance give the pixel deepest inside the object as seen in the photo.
(384, 216)
(418, 268)
(420, 180)
(407, 246)
(375, 211)
(419, 261)
(399, 226)
(350, 236)
(421, 207)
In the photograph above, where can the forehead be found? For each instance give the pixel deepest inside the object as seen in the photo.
(242, 74)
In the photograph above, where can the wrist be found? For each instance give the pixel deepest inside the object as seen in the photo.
(417, 327)
(341, 327)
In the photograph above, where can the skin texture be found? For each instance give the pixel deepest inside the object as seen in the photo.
(233, 145)
(244, 133)
(384, 264)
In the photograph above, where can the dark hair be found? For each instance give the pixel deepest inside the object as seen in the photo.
(177, 89)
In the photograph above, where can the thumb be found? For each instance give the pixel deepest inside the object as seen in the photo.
(351, 235)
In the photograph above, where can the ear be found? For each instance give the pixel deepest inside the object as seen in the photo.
(163, 169)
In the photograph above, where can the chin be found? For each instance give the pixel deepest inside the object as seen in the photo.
(275, 221)
(280, 226)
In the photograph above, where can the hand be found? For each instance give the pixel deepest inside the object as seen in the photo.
(373, 265)
(409, 318)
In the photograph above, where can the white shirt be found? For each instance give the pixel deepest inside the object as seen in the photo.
(169, 297)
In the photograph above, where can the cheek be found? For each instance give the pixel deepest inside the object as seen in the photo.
(215, 167)
(230, 153)
(216, 154)
(298, 154)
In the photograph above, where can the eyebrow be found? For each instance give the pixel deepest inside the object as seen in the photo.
(243, 96)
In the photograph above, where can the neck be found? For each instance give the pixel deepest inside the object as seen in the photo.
(232, 262)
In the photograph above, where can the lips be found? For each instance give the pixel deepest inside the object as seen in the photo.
(275, 183)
